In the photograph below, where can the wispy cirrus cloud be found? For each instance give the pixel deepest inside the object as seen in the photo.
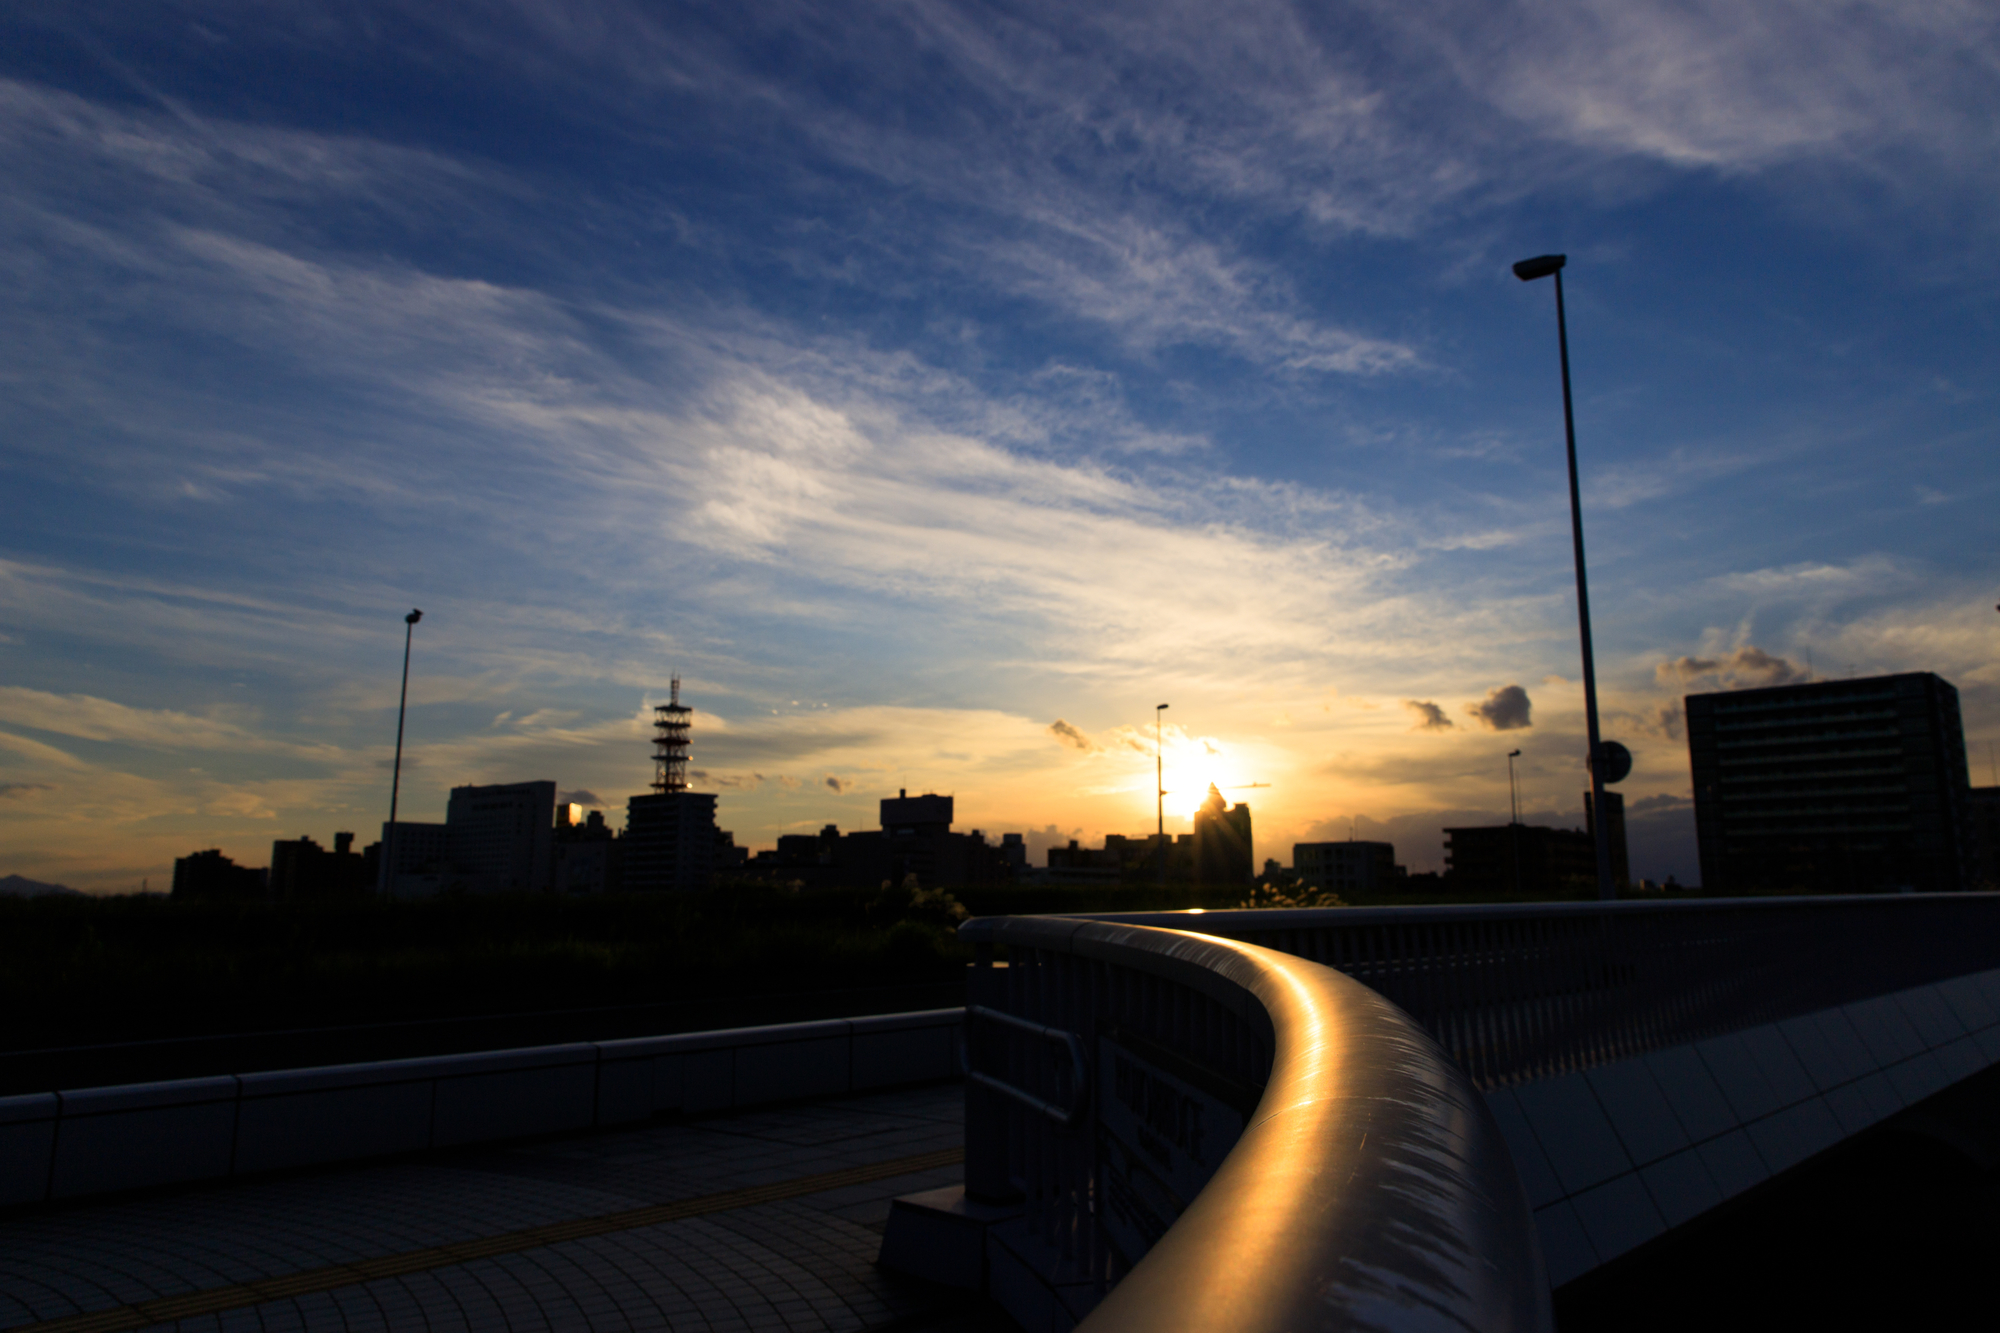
(1739, 86)
(1045, 154)
(988, 364)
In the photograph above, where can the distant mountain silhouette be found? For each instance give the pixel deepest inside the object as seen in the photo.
(20, 887)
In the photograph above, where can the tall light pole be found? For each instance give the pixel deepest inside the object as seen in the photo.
(1528, 270)
(396, 775)
(1514, 818)
(1160, 797)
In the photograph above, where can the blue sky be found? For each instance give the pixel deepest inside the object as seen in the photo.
(914, 378)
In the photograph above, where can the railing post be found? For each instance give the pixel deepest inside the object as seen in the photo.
(987, 1175)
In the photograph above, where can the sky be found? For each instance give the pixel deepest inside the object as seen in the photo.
(936, 388)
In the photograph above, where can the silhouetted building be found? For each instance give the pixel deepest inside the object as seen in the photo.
(1839, 786)
(1077, 864)
(1525, 858)
(1014, 851)
(1222, 848)
(1983, 814)
(1122, 859)
(587, 867)
(501, 838)
(1346, 867)
(670, 842)
(915, 839)
(210, 874)
(907, 816)
(729, 858)
(590, 828)
(422, 866)
(1614, 824)
(301, 868)
(589, 856)
(803, 850)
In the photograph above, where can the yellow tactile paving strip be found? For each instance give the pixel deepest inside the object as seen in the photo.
(166, 1309)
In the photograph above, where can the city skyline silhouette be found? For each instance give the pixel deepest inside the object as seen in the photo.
(937, 396)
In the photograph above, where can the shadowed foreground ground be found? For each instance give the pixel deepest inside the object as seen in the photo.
(764, 1220)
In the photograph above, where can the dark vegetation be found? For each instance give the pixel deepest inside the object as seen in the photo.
(116, 969)
(113, 990)
(164, 989)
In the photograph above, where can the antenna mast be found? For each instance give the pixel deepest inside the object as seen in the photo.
(670, 743)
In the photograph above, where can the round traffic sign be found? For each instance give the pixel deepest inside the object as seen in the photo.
(1617, 761)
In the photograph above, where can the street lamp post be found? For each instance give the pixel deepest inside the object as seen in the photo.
(1528, 270)
(396, 775)
(1514, 817)
(1513, 792)
(1160, 796)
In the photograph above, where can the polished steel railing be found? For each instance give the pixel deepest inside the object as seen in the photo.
(1520, 991)
(1237, 1139)
(1272, 1119)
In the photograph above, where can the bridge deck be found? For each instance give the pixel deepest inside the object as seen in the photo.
(765, 1219)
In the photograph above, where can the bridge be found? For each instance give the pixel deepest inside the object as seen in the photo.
(1413, 1116)
(1343, 1118)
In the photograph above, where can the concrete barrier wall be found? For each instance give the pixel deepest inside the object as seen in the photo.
(1614, 1155)
(61, 1145)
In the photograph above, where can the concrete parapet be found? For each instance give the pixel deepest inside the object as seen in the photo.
(27, 1144)
(60, 1145)
(144, 1134)
(1617, 1154)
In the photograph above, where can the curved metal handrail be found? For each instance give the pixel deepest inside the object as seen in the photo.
(1521, 991)
(1371, 1187)
(1278, 918)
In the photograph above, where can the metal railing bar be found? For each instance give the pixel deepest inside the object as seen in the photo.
(1026, 1098)
(1070, 1042)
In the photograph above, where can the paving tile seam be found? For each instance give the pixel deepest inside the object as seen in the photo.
(215, 1300)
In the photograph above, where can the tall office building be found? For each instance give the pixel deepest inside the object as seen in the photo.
(1838, 786)
(422, 866)
(670, 842)
(1222, 841)
(501, 839)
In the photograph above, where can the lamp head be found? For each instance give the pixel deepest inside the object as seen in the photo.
(1158, 707)
(1513, 754)
(1539, 267)
(413, 617)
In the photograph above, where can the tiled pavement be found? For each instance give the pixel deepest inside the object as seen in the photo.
(756, 1263)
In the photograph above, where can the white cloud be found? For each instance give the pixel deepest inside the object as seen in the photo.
(86, 718)
(1732, 84)
(1824, 581)
(588, 484)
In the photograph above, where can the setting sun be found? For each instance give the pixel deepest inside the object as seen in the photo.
(1192, 765)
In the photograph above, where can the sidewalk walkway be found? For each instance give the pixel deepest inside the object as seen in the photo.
(762, 1220)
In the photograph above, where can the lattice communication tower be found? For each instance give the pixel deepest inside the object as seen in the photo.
(670, 743)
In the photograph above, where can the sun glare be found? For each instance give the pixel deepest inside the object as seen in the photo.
(1189, 773)
(1185, 794)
